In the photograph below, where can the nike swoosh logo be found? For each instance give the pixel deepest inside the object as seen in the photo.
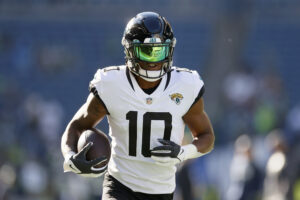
(72, 167)
(182, 151)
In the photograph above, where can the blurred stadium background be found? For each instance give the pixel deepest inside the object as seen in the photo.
(247, 51)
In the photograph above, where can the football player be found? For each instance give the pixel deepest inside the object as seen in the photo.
(147, 102)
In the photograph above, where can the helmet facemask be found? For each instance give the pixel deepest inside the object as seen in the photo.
(151, 51)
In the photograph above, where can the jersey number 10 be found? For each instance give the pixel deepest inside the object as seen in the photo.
(146, 134)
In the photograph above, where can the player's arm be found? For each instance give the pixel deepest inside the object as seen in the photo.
(197, 120)
(90, 114)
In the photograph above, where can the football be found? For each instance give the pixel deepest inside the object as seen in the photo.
(101, 145)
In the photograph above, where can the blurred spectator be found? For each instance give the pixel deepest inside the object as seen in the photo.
(46, 115)
(291, 170)
(276, 183)
(240, 92)
(43, 124)
(184, 183)
(271, 102)
(240, 87)
(293, 119)
(33, 178)
(55, 58)
(293, 124)
(246, 178)
(7, 178)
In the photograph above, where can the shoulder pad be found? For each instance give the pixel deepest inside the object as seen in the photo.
(179, 69)
(110, 68)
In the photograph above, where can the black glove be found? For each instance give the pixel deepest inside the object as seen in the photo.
(78, 164)
(171, 153)
(167, 154)
(168, 149)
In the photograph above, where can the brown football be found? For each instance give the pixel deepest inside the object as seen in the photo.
(101, 145)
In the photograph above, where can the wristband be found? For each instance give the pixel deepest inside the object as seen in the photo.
(190, 151)
(68, 155)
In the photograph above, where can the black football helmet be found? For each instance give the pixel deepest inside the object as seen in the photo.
(148, 37)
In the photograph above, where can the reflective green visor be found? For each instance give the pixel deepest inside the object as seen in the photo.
(151, 52)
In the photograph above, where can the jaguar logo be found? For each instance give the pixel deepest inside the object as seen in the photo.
(176, 97)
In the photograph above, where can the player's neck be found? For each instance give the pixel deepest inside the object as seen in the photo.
(146, 84)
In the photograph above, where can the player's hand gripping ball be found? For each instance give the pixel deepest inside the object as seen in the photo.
(93, 154)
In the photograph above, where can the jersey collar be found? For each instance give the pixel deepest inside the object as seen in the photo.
(130, 77)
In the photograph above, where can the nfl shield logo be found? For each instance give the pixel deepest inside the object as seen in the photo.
(149, 100)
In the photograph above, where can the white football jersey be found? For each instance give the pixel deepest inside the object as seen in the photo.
(137, 120)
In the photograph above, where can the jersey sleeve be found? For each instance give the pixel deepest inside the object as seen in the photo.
(96, 85)
(199, 88)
